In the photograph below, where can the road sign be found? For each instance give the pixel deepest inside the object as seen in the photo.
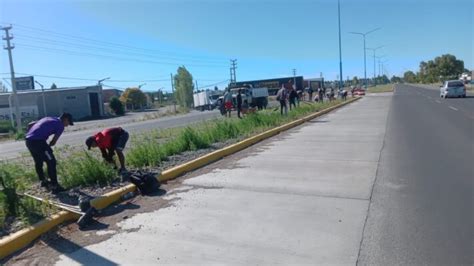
(25, 83)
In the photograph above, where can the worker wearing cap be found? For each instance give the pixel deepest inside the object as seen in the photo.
(110, 141)
(36, 142)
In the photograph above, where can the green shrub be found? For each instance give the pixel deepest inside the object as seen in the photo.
(5, 126)
(146, 151)
(83, 168)
(14, 179)
(117, 106)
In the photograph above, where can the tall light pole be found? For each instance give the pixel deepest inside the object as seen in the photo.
(374, 50)
(294, 77)
(363, 34)
(102, 80)
(380, 57)
(340, 48)
(382, 65)
(42, 94)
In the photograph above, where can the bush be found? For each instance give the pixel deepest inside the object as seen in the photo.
(117, 106)
(14, 179)
(83, 168)
(5, 126)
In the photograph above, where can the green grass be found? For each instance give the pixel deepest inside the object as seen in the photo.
(5, 126)
(84, 169)
(150, 149)
(14, 180)
(381, 88)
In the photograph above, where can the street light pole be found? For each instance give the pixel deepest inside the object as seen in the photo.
(42, 94)
(102, 80)
(363, 34)
(340, 49)
(374, 50)
(380, 57)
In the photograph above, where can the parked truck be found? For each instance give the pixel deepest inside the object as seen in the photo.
(253, 97)
(206, 100)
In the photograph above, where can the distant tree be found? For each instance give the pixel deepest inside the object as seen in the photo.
(133, 98)
(53, 86)
(441, 68)
(216, 88)
(355, 81)
(395, 79)
(117, 106)
(409, 77)
(449, 67)
(183, 82)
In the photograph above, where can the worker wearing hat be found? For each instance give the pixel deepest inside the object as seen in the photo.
(36, 142)
(110, 141)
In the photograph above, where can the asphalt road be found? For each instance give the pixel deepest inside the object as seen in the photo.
(14, 149)
(421, 210)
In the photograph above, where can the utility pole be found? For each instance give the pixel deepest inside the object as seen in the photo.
(9, 48)
(172, 89)
(294, 77)
(196, 89)
(233, 67)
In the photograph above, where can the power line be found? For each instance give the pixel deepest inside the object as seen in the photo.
(109, 50)
(43, 31)
(89, 79)
(109, 80)
(68, 52)
(215, 84)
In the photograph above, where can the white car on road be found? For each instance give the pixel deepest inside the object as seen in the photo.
(452, 88)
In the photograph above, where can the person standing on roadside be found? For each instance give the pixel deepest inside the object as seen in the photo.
(110, 141)
(292, 97)
(36, 142)
(228, 102)
(239, 103)
(282, 96)
(310, 93)
(321, 94)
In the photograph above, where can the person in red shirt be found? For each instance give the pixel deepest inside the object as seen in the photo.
(110, 141)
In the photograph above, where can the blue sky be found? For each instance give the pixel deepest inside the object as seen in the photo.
(134, 42)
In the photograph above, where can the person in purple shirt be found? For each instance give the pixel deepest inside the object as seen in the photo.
(36, 142)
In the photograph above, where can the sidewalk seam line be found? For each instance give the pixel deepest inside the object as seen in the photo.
(272, 192)
(373, 186)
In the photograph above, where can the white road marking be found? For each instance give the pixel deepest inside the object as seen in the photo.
(453, 108)
(438, 101)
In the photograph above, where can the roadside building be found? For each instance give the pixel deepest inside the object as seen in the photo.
(81, 102)
(108, 94)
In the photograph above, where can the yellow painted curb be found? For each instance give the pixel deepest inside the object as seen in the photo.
(111, 197)
(22, 238)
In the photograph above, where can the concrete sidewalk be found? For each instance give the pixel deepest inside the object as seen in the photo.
(301, 197)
